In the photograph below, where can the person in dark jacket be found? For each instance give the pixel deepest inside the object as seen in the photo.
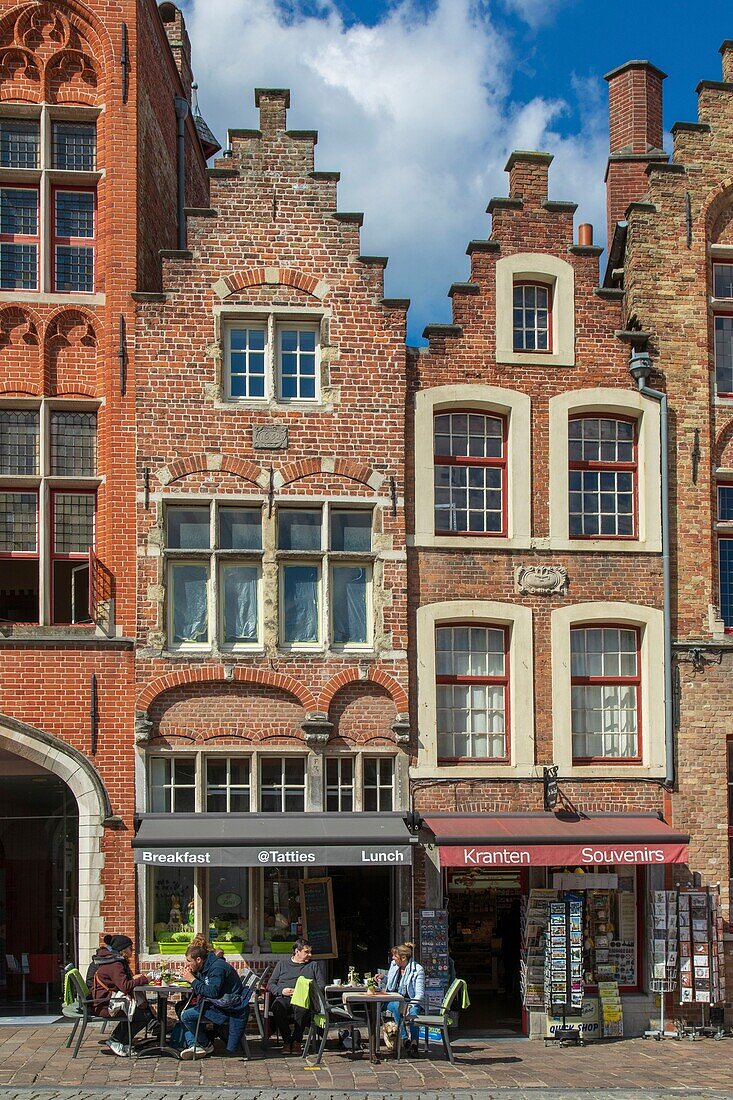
(213, 978)
(282, 984)
(109, 973)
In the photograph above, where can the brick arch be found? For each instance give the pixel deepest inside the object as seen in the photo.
(721, 443)
(200, 463)
(715, 204)
(71, 353)
(216, 673)
(353, 675)
(274, 276)
(342, 467)
(20, 351)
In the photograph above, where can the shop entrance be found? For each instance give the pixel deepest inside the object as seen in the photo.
(485, 945)
(39, 828)
(362, 906)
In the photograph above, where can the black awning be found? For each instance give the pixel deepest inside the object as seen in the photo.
(272, 840)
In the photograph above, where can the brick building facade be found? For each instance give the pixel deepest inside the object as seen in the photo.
(86, 91)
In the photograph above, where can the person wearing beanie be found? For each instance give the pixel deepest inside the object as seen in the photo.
(109, 973)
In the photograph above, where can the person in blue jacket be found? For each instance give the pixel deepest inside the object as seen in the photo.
(407, 977)
(213, 978)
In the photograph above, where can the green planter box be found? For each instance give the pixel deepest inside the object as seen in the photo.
(282, 947)
(172, 948)
(235, 947)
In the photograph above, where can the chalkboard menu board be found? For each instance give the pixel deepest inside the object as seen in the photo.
(316, 907)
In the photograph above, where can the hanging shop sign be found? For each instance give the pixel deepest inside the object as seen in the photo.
(553, 855)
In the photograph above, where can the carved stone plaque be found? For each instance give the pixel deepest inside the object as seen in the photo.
(541, 580)
(270, 437)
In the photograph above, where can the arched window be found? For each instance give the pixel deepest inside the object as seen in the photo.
(470, 473)
(602, 477)
(532, 317)
(472, 684)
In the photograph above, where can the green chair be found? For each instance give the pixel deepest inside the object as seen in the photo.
(446, 1017)
(78, 1006)
(325, 1018)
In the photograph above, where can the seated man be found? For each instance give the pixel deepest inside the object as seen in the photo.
(213, 978)
(282, 983)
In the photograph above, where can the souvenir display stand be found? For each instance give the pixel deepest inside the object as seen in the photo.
(612, 1013)
(535, 917)
(564, 966)
(434, 955)
(663, 951)
(701, 958)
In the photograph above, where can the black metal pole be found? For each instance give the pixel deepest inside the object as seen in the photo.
(181, 106)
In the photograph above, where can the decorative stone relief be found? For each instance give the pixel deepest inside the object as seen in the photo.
(316, 729)
(401, 729)
(541, 580)
(270, 437)
(143, 727)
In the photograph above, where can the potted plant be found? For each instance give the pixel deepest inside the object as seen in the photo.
(282, 943)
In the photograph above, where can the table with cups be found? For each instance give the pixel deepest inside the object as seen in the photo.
(162, 991)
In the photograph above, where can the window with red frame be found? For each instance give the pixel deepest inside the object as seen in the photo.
(532, 317)
(602, 477)
(723, 330)
(725, 554)
(470, 473)
(19, 238)
(73, 240)
(472, 685)
(605, 692)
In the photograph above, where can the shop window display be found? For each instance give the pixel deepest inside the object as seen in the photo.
(281, 921)
(229, 907)
(171, 893)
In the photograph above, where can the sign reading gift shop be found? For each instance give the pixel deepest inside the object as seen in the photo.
(357, 855)
(560, 855)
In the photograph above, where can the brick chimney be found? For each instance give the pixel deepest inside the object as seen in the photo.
(635, 125)
(528, 176)
(726, 51)
(175, 28)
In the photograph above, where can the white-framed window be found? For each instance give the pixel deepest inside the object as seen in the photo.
(214, 573)
(535, 310)
(48, 198)
(473, 469)
(48, 483)
(604, 471)
(172, 782)
(271, 358)
(722, 300)
(325, 562)
(378, 783)
(282, 784)
(339, 784)
(475, 691)
(608, 689)
(228, 784)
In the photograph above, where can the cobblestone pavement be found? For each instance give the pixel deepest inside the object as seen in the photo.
(35, 1065)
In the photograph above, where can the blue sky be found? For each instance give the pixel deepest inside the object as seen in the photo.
(418, 103)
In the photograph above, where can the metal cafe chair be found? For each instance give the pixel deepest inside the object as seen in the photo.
(81, 1009)
(446, 1016)
(325, 1018)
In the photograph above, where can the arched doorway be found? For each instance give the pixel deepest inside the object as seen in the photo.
(42, 777)
(39, 842)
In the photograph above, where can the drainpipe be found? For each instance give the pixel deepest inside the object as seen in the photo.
(640, 367)
(181, 106)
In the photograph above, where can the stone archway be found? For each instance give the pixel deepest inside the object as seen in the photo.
(93, 804)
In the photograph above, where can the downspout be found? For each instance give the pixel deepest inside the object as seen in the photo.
(640, 367)
(181, 106)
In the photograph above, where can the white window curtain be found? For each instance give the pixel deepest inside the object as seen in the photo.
(190, 604)
(240, 603)
(348, 597)
(300, 593)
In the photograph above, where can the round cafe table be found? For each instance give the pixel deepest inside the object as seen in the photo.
(372, 1003)
(162, 993)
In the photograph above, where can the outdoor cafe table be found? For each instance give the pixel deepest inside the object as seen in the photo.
(371, 1002)
(162, 993)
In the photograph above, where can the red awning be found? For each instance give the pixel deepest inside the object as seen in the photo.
(555, 840)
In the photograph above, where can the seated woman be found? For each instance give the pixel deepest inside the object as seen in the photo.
(110, 973)
(407, 977)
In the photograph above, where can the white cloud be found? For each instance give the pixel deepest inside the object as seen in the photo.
(414, 111)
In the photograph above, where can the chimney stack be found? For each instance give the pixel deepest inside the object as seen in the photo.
(635, 126)
(726, 51)
(175, 28)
